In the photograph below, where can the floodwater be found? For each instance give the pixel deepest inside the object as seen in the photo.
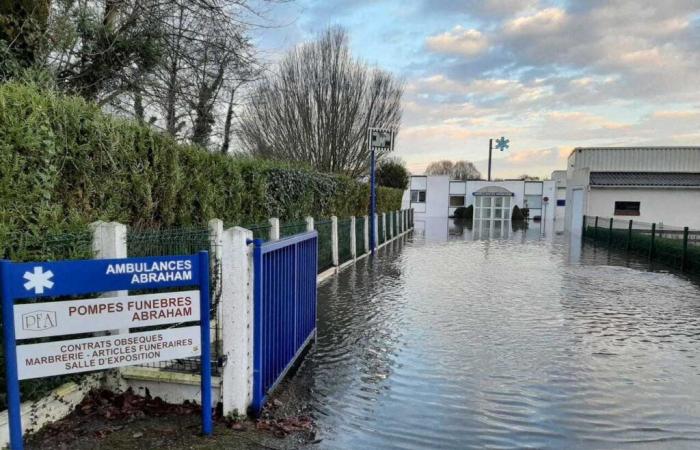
(494, 338)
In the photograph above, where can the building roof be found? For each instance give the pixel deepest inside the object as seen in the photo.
(649, 148)
(653, 179)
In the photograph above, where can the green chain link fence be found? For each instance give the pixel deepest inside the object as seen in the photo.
(291, 229)
(359, 236)
(181, 241)
(675, 247)
(344, 231)
(380, 230)
(325, 247)
(48, 247)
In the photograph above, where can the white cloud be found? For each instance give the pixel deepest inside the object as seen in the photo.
(459, 41)
(545, 21)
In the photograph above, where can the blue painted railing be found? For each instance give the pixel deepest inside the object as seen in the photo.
(284, 293)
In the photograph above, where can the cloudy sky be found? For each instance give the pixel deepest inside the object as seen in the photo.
(549, 75)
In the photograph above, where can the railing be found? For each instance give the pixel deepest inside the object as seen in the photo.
(676, 247)
(284, 308)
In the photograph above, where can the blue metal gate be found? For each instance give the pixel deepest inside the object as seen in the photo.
(284, 308)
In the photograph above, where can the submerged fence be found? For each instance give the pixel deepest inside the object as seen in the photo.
(676, 247)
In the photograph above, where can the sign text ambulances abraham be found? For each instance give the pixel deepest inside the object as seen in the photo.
(153, 272)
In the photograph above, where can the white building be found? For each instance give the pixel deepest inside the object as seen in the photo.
(646, 184)
(439, 197)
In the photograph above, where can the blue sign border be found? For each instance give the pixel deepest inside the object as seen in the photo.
(90, 276)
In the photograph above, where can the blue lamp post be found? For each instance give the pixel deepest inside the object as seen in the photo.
(378, 139)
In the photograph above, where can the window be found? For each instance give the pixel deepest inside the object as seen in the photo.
(561, 202)
(456, 200)
(533, 201)
(417, 196)
(626, 208)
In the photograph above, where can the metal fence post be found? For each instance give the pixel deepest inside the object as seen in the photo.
(353, 238)
(595, 229)
(258, 332)
(651, 243)
(610, 228)
(309, 223)
(274, 229)
(629, 236)
(684, 260)
(334, 240)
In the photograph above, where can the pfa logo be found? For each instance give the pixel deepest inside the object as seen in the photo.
(39, 320)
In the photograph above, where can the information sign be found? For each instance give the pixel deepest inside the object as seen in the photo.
(26, 319)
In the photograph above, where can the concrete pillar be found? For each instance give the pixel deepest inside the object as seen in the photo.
(334, 240)
(366, 233)
(216, 233)
(384, 226)
(309, 223)
(274, 229)
(237, 320)
(376, 230)
(109, 242)
(353, 238)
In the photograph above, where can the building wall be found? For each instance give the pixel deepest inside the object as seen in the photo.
(437, 196)
(673, 207)
(440, 188)
(631, 159)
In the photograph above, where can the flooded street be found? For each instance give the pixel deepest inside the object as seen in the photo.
(460, 338)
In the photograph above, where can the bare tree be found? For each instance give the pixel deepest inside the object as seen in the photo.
(465, 170)
(458, 170)
(317, 105)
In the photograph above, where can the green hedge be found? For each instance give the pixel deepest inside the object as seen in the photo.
(66, 164)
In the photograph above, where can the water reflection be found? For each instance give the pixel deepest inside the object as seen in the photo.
(465, 338)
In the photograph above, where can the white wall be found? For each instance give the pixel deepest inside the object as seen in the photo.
(516, 187)
(437, 197)
(674, 207)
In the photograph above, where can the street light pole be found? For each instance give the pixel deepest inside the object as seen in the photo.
(490, 152)
(372, 198)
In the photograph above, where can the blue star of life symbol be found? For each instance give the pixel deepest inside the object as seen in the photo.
(38, 280)
(502, 143)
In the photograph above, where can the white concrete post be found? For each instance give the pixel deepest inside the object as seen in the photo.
(109, 241)
(366, 233)
(309, 223)
(237, 320)
(274, 229)
(384, 226)
(334, 239)
(216, 232)
(353, 238)
(376, 230)
(391, 225)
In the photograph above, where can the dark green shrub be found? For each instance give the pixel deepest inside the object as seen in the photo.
(517, 214)
(464, 212)
(392, 172)
(66, 164)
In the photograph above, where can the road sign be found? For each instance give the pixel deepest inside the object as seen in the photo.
(26, 281)
(380, 138)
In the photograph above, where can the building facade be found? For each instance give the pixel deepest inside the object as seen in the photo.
(439, 197)
(645, 184)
